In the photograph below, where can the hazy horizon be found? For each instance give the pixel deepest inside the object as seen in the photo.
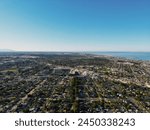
(10, 50)
(75, 26)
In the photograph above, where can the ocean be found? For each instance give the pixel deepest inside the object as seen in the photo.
(145, 56)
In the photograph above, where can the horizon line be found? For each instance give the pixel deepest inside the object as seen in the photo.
(65, 51)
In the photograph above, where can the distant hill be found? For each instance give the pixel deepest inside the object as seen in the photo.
(6, 50)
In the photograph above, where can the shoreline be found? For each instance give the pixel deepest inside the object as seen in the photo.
(136, 56)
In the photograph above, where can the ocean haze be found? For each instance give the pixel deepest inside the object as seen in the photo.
(6, 50)
(128, 55)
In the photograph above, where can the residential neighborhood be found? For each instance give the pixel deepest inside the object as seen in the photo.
(73, 83)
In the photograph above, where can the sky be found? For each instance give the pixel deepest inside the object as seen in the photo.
(75, 25)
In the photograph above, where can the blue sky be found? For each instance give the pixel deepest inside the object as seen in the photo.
(75, 25)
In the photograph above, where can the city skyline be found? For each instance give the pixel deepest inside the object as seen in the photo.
(78, 25)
